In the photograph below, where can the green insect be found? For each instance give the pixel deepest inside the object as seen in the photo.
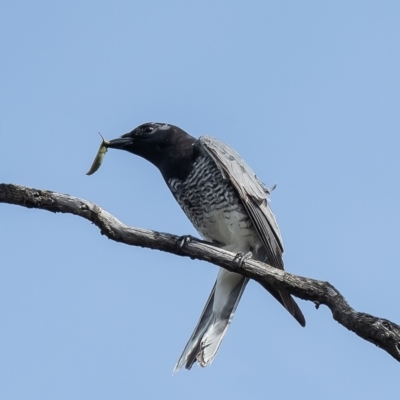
(99, 156)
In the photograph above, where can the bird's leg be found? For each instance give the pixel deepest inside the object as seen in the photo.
(240, 258)
(182, 241)
(185, 239)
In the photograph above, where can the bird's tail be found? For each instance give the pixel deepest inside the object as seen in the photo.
(287, 301)
(211, 328)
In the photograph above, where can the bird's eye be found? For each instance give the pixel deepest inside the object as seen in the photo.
(148, 129)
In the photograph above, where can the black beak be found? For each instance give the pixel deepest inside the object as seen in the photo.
(120, 143)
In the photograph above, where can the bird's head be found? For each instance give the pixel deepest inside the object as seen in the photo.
(161, 144)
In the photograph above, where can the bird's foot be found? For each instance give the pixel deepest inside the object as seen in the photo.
(240, 258)
(182, 241)
(186, 239)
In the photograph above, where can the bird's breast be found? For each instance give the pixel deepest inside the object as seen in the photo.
(213, 206)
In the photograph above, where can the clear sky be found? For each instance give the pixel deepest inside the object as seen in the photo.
(307, 92)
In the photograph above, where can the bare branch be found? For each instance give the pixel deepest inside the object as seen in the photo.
(383, 333)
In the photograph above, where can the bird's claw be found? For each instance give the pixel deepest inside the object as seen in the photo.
(183, 241)
(240, 258)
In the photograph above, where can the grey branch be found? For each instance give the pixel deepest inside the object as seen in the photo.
(381, 332)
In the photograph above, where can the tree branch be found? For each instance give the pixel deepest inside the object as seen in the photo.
(381, 332)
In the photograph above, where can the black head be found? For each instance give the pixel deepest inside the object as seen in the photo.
(166, 146)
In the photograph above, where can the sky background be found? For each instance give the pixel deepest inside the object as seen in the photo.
(307, 92)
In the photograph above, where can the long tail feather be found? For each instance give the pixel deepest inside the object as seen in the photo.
(206, 338)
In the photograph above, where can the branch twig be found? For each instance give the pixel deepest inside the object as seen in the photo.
(382, 332)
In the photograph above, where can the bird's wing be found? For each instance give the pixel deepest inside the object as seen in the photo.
(254, 197)
(252, 192)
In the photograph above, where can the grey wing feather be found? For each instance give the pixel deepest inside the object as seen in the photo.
(254, 197)
(253, 193)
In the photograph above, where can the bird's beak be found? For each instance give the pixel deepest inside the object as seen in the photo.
(119, 143)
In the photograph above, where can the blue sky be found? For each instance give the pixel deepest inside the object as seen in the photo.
(307, 92)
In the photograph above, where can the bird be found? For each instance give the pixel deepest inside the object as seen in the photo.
(229, 207)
